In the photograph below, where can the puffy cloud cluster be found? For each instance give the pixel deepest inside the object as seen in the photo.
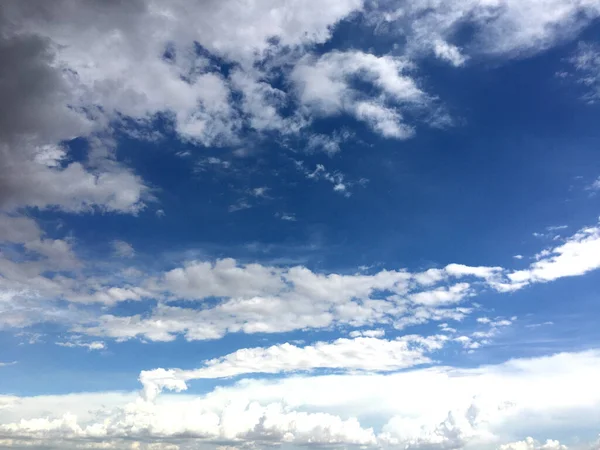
(73, 69)
(473, 408)
(325, 86)
(256, 298)
(531, 444)
(74, 73)
(505, 28)
(225, 296)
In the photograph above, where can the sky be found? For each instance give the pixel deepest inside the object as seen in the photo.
(344, 224)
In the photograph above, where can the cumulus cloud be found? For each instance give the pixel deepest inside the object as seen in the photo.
(367, 333)
(116, 68)
(255, 298)
(531, 444)
(324, 85)
(481, 407)
(123, 249)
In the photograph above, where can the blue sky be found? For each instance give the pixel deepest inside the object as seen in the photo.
(244, 224)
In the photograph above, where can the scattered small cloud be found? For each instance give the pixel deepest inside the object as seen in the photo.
(240, 205)
(91, 346)
(30, 337)
(328, 143)
(259, 192)
(337, 179)
(212, 163)
(518, 256)
(586, 63)
(288, 217)
(6, 364)
(378, 333)
(122, 249)
(557, 227)
(594, 186)
(537, 325)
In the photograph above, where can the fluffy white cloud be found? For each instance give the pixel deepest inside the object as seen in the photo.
(360, 354)
(578, 255)
(482, 408)
(442, 296)
(118, 62)
(75, 73)
(258, 298)
(255, 298)
(531, 444)
(123, 249)
(505, 28)
(325, 86)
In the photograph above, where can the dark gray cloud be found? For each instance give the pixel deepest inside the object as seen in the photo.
(38, 111)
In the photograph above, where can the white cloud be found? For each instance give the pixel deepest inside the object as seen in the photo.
(259, 191)
(113, 66)
(449, 52)
(378, 333)
(460, 270)
(384, 120)
(482, 407)
(5, 364)
(255, 298)
(324, 86)
(328, 143)
(95, 345)
(578, 255)
(71, 75)
(595, 186)
(123, 249)
(335, 178)
(506, 28)
(224, 278)
(531, 444)
(586, 62)
(288, 217)
(360, 354)
(442, 295)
